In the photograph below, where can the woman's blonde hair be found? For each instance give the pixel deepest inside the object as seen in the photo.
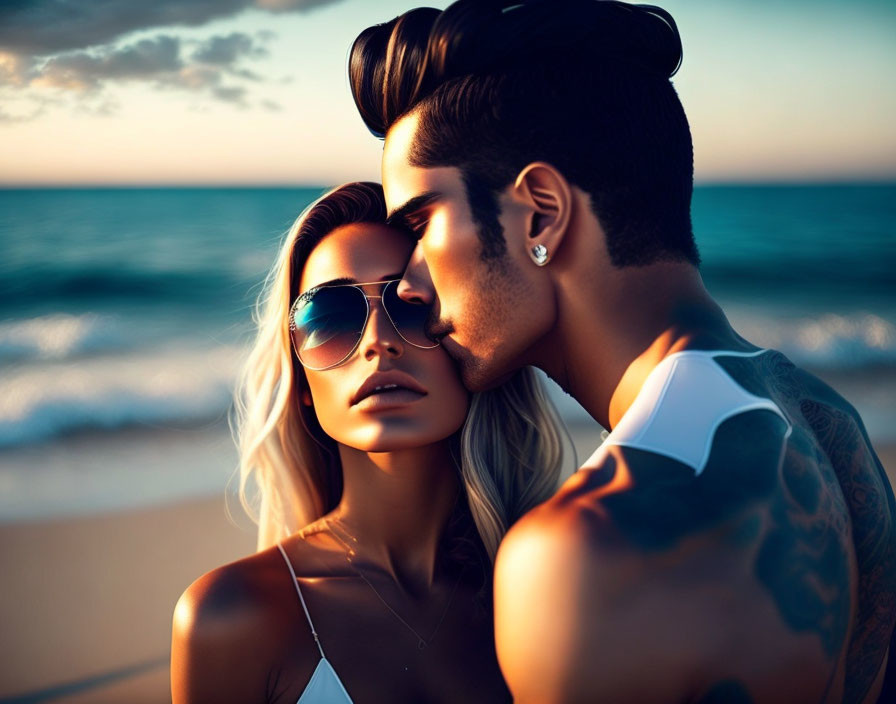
(511, 447)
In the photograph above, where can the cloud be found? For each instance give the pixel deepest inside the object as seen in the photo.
(103, 108)
(158, 60)
(230, 94)
(46, 27)
(26, 108)
(7, 118)
(290, 5)
(82, 71)
(15, 70)
(80, 47)
(226, 50)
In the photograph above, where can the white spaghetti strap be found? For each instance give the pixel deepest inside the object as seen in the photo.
(295, 581)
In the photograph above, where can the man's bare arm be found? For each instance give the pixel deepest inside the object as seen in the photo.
(637, 563)
(569, 626)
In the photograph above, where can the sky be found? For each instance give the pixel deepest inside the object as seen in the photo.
(255, 91)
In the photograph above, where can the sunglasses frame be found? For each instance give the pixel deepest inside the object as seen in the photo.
(311, 292)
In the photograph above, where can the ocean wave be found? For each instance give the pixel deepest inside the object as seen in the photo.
(88, 285)
(830, 341)
(162, 386)
(74, 379)
(59, 336)
(855, 280)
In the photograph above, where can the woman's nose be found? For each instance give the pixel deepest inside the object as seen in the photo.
(380, 337)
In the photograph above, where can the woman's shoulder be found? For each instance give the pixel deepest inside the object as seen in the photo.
(249, 594)
(234, 600)
(244, 607)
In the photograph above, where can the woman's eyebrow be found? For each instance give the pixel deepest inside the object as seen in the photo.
(335, 282)
(402, 214)
(349, 280)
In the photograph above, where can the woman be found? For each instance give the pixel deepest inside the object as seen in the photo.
(383, 490)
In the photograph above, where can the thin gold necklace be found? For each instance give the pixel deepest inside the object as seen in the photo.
(422, 642)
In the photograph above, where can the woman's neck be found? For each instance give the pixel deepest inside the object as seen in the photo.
(395, 505)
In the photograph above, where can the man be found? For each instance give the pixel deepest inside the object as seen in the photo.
(734, 539)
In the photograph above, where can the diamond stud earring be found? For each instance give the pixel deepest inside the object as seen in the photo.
(540, 254)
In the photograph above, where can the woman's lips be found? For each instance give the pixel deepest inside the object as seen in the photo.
(391, 398)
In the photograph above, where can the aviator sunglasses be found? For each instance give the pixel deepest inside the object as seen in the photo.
(327, 322)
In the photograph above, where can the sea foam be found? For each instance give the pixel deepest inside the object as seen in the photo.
(58, 336)
(65, 372)
(827, 342)
(163, 386)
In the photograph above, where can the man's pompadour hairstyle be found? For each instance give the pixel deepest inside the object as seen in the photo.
(581, 84)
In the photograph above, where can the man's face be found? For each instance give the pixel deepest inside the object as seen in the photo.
(487, 313)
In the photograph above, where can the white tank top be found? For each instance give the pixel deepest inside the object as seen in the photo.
(683, 401)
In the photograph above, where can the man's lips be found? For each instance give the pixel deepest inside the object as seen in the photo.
(438, 331)
(393, 379)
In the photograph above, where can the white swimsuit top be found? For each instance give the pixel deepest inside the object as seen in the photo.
(324, 687)
(683, 401)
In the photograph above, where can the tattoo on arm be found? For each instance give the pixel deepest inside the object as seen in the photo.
(872, 511)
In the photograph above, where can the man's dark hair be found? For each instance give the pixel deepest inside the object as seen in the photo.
(580, 84)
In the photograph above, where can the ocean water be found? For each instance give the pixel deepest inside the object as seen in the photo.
(123, 307)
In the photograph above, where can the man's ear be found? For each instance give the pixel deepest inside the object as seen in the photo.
(548, 195)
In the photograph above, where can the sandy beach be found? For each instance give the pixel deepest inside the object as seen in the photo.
(87, 601)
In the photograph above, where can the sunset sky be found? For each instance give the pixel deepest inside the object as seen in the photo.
(255, 91)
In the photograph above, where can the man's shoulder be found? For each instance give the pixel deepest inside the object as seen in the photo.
(574, 528)
(774, 375)
(569, 584)
(627, 506)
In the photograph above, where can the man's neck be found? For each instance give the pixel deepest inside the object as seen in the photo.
(613, 330)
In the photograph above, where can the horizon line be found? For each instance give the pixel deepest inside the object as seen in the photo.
(287, 185)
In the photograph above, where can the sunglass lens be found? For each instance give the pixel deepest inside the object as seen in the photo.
(409, 318)
(328, 325)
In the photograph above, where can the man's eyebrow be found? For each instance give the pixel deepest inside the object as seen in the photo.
(400, 216)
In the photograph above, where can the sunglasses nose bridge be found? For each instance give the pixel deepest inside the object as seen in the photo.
(380, 300)
(380, 335)
(379, 303)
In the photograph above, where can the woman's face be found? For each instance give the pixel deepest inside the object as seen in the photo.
(436, 405)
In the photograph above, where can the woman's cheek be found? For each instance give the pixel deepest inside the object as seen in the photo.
(326, 401)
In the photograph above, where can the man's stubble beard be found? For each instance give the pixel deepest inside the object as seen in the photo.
(490, 325)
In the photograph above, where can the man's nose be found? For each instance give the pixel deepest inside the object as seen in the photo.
(380, 338)
(415, 285)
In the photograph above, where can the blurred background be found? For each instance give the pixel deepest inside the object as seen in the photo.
(154, 154)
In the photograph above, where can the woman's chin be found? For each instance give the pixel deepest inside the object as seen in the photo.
(395, 439)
